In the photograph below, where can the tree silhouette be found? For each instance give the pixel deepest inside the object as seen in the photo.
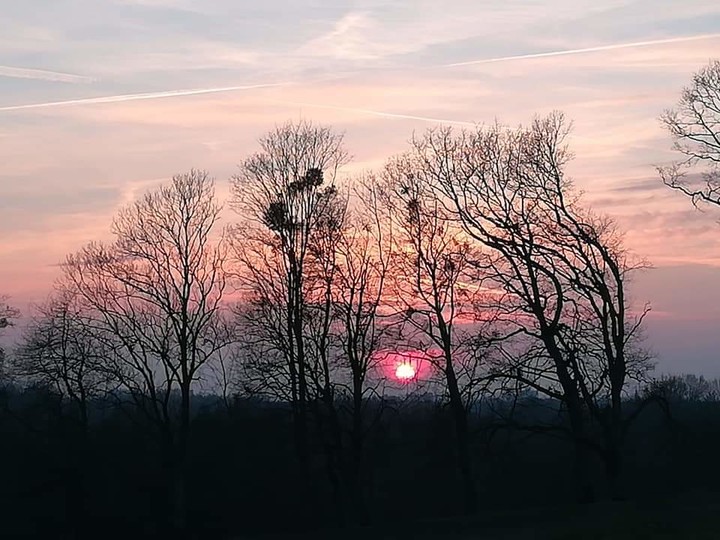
(560, 270)
(63, 352)
(361, 262)
(436, 292)
(157, 292)
(7, 315)
(694, 125)
(288, 187)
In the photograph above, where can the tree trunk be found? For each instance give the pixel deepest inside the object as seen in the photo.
(612, 456)
(614, 434)
(301, 422)
(304, 488)
(81, 461)
(462, 442)
(180, 466)
(584, 492)
(359, 507)
(329, 433)
(75, 464)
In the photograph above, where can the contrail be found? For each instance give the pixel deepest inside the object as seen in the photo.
(583, 51)
(137, 97)
(382, 114)
(29, 73)
(43, 75)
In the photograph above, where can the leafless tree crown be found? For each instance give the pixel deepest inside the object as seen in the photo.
(694, 125)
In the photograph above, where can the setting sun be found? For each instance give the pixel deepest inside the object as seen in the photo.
(405, 372)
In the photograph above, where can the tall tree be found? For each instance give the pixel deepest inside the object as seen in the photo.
(288, 187)
(157, 290)
(694, 125)
(561, 272)
(361, 263)
(436, 290)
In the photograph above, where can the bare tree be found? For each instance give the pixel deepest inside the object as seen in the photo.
(288, 188)
(437, 290)
(311, 275)
(61, 351)
(320, 275)
(157, 290)
(263, 362)
(694, 125)
(361, 262)
(559, 271)
(267, 365)
(7, 314)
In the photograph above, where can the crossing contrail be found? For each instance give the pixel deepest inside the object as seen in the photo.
(28, 73)
(43, 75)
(137, 97)
(372, 112)
(583, 51)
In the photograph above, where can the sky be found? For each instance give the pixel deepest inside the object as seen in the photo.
(101, 100)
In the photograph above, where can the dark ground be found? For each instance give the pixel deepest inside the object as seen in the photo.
(243, 482)
(689, 517)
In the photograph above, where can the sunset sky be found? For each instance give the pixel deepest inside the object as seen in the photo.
(103, 99)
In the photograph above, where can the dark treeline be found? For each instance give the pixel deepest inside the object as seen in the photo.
(242, 466)
(451, 333)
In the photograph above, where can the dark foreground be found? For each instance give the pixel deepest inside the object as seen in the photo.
(111, 483)
(689, 517)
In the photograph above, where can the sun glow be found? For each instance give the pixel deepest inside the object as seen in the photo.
(405, 372)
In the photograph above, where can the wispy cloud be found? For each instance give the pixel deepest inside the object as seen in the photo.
(347, 40)
(43, 75)
(138, 97)
(600, 48)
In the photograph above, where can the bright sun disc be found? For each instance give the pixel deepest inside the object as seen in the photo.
(405, 372)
